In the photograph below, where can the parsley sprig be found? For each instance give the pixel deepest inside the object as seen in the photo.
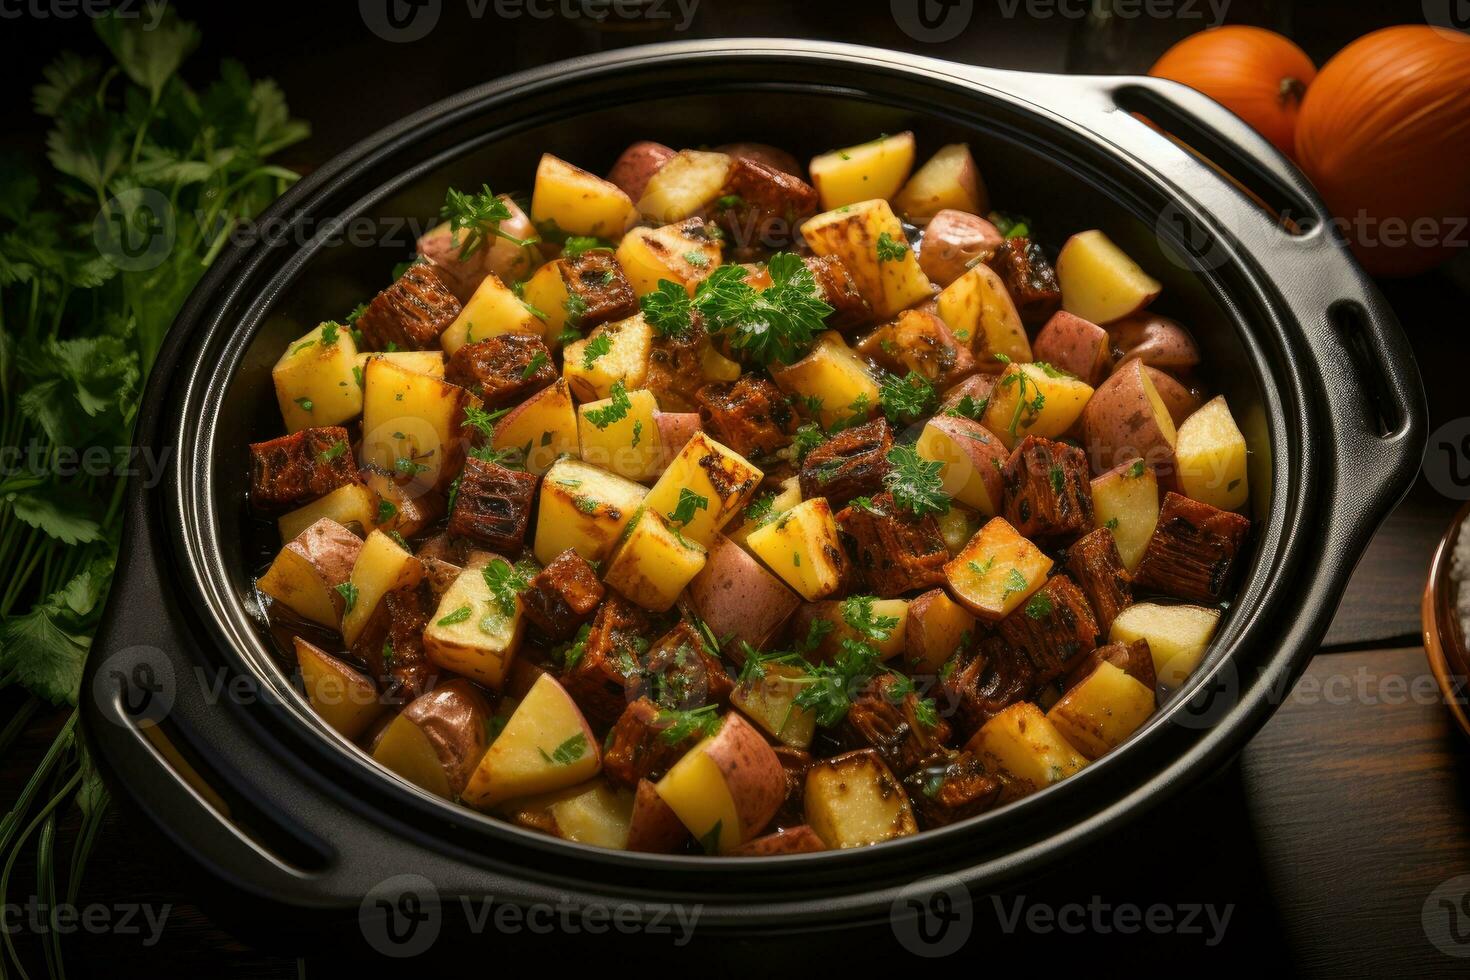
(915, 482)
(505, 583)
(908, 399)
(615, 410)
(478, 216)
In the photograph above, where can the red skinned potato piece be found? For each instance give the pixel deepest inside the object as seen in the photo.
(674, 430)
(1154, 339)
(736, 596)
(1178, 398)
(1127, 418)
(800, 839)
(764, 154)
(1077, 346)
(654, 827)
(953, 242)
(462, 276)
(638, 163)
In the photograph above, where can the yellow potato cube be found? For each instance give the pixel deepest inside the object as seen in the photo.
(1025, 750)
(1013, 412)
(721, 477)
(949, 181)
(571, 201)
(834, 375)
(788, 497)
(546, 295)
(628, 445)
(590, 813)
(582, 507)
(544, 426)
(546, 745)
(876, 169)
(345, 698)
(493, 309)
(626, 360)
(411, 424)
(430, 362)
(997, 571)
(972, 459)
(684, 253)
(1099, 281)
(471, 633)
(652, 564)
(891, 645)
(1209, 456)
(1177, 635)
(768, 700)
(1125, 500)
(1099, 713)
(305, 575)
(802, 547)
(853, 800)
(351, 504)
(381, 567)
(855, 233)
(685, 185)
(315, 384)
(978, 310)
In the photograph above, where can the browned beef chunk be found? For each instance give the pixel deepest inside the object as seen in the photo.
(1029, 278)
(1133, 658)
(681, 673)
(950, 787)
(1094, 565)
(749, 415)
(563, 595)
(638, 747)
(761, 208)
(599, 291)
(612, 654)
(391, 645)
(303, 466)
(503, 370)
(493, 505)
(1054, 628)
(1047, 490)
(411, 313)
(850, 464)
(892, 551)
(985, 681)
(924, 344)
(676, 368)
(446, 548)
(849, 309)
(1192, 553)
(794, 763)
(890, 717)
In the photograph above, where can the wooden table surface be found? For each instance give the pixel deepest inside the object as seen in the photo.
(1325, 841)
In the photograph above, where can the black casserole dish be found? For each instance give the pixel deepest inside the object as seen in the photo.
(205, 733)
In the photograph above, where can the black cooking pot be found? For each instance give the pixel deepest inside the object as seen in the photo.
(202, 730)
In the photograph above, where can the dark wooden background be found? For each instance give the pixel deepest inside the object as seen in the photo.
(1326, 837)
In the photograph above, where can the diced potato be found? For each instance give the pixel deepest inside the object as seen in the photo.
(414, 418)
(582, 507)
(972, 459)
(430, 362)
(768, 698)
(471, 634)
(997, 571)
(590, 813)
(1060, 397)
(493, 309)
(876, 169)
(1100, 712)
(802, 547)
(352, 505)
(854, 233)
(671, 252)
(652, 565)
(405, 509)
(722, 477)
(891, 646)
(1209, 454)
(978, 310)
(571, 201)
(937, 626)
(957, 526)
(628, 446)
(345, 698)
(544, 426)
(546, 745)
(1125, 500)
(546, 294)
(853, 800)
(403, 747)
(785, 499)
(315, 384)
(381, 567)
(1177, 636)
(834, 375)
(727, 788)
(1099, 281)
(305, 575)
(684, 186)
(949, 180)
(1024, 750)
(626, 360)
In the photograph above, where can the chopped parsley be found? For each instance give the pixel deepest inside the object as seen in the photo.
(667, 309)
(458, 616)
(1039, 606)
(915, 482)
(505, 582)
(689, 504)
(575, 245)
(332, 452)
(696, 723)
(906, 400)
(348, 592)
(615, 410)
(305, 404)
(387, 510)
(533, 365)
(891, 249)
(567, 752)
(596, 347)
(478, 216)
